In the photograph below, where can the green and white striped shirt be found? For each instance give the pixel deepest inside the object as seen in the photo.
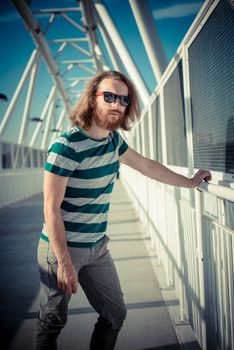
(91, 167)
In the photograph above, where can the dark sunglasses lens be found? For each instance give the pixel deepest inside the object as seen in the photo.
(109, 97)
(124, 100)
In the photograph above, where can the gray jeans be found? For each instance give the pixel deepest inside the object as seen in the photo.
(98, 278)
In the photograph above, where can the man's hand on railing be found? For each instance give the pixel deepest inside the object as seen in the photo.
(200, 176)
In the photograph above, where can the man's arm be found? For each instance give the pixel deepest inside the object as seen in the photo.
(159, 172)
(54, 190)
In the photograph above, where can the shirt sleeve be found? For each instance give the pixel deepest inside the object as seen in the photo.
(62, 159)
(123, 146)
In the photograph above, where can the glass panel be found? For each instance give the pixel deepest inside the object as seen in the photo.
(146, 135)
(175, 119)
(157, 132)
(211, 64)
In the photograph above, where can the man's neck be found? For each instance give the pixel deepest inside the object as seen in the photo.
(97, 133)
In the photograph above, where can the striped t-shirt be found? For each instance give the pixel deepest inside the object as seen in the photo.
(91, 167)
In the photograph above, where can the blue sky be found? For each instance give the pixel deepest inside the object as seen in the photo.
(172, 19)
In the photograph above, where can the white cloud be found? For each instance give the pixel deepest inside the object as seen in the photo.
(177, 11)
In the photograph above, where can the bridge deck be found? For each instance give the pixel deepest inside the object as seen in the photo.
(148, 324)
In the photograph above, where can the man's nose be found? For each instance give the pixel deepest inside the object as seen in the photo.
(115, 104)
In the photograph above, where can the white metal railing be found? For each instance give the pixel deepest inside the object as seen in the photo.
(16, 156)
(19, 184)
(21, 172)
(190, 230)
(219, 191)
(196, 251)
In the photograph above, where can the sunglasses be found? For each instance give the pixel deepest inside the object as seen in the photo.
(110, 97)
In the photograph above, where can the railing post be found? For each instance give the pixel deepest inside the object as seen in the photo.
(198, 207)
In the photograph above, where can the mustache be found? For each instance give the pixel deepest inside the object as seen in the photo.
(106, 123)
(116, 112)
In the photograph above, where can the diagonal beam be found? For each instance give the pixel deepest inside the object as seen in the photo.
(28, 103)
(109, 46)
(90, 26)
(150, 37)
(40, 41)
(43, 114)
(18, 90)
(124, 54)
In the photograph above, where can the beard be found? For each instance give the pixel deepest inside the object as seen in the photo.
(104, 121)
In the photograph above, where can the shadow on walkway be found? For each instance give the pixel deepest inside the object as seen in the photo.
(20, 227)
(148, 325)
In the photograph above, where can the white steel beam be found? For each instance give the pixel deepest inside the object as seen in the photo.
(58, 125)
(74, 83)
(112, 56)
(51, 20)
(150, 37)
(77, 78)
(45, 109)
(88, 60)
(76, 25)
(110, 48)
(200, 256)
(57, 10)
(28, 103)
(16, 95)
(124, 54)
(68, 40)
(99, 54)
(69, 67)
(219, 191)
(47, 125)
(92, 71)
(90, 26)
(79, 48)
(40, 41)
(60, 49)
(188, 110)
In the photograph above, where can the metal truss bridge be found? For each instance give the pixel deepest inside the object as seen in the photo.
(174, 248)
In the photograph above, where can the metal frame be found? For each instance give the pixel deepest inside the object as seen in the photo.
(150, 37)
(93, 16)
(188, 208)
(198, 231)
(124, 54)
(18, 91)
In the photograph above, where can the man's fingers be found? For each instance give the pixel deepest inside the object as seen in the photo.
(206, 175)
(67, 281)
(66, 287)
(70, 287)
(62, 285)
(208, 178)
(74, 287)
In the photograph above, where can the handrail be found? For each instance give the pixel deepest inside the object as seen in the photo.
(217, 190)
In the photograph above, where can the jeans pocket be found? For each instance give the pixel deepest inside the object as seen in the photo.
(45, 254)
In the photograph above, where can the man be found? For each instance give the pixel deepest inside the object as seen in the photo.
(79, 176)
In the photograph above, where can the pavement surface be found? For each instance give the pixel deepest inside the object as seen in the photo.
(148, 325)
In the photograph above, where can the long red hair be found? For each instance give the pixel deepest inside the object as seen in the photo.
(82, 113)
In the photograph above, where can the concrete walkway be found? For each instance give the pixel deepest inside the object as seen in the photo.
(148, 325)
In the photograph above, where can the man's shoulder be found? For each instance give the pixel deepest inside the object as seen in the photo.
(116, 135)
(115, 132)
(72, 134)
